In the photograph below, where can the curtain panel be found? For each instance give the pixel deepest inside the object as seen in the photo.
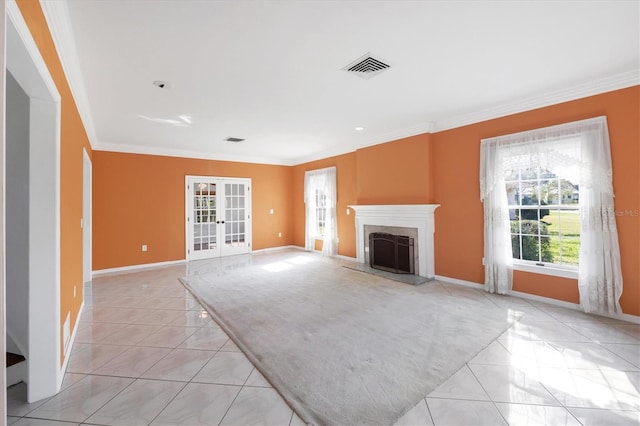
(323, 180)
(582, 146)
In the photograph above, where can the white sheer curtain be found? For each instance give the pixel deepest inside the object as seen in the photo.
(584, 147)
(600, 273)
(323, 180)
(498, 260)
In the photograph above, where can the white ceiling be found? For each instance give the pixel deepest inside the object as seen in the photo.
(271, 71)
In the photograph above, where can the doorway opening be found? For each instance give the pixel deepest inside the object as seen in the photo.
(32, 316)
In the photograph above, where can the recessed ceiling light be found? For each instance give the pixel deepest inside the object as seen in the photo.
(359, 128)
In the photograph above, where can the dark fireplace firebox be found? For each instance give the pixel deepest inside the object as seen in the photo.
(391, 253)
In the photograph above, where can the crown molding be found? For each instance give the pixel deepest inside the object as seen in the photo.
(56, 13)
(345, 148)
(582, 90)
(615, 82)
(183, 153)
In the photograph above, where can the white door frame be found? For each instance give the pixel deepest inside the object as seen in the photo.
(221, 249)
(87, 218)
(23, 59)
(3, 391)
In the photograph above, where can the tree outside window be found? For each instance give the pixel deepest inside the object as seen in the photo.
(544, 216)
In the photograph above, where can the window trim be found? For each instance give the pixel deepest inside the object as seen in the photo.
(548, 269)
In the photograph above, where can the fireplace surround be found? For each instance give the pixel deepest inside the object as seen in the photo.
(418, 216)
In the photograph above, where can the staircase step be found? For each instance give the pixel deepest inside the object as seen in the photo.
(13, 359)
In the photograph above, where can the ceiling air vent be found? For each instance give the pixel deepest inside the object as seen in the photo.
(366, 66)
(234, 140)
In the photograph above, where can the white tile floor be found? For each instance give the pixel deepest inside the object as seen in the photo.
(147, 353)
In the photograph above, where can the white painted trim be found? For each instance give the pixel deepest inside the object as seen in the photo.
(71, 341)
(183, 153)
(545, 270)
(626, 317)
(56, 13)
(57, 16)
(470, 284)
(344, 147)
(222, 249)
(276, 249)
(121, 269)
(548, 300)
(29, 69)
(46, 88)
(3, 245)
(347, 258)
(536, 298)
(87, 223)
(596, 87)
(574, 306)
(577, 91)
(419, 216)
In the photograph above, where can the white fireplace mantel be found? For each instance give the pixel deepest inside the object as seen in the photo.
(419, 216)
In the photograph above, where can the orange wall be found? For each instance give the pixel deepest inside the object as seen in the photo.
(396, 172)
(459, 226)
(140, 199)
(73, 140)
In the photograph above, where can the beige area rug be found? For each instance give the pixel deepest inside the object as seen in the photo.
(344, 347)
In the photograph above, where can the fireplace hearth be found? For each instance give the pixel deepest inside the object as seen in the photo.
(391, 253)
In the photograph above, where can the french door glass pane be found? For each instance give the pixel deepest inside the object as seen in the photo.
(204, 207)
(234, 213)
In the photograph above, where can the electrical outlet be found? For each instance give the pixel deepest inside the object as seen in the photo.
(144, 247)
(270, 211)
(348, 212)
(279, 234)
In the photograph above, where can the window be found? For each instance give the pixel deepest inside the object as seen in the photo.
(544, 214)
(321, 212)
(532, 186)
(320, 197)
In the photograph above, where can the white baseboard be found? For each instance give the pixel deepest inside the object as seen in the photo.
(459, 282)
(337, 256)
(279, 248)
(548, 300)
(173, 262)
(626, 317)
(536, 298)
(67, 354)
(342, 257)
(136, 267)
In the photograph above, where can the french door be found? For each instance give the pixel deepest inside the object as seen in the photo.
(218, 217)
